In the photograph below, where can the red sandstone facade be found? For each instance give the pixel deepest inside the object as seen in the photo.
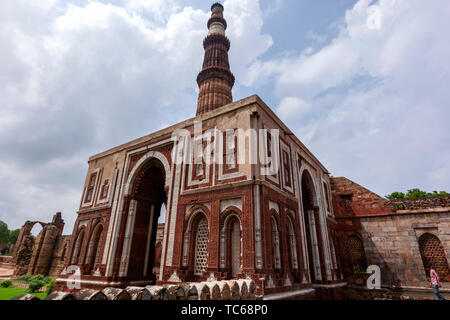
(222, 221)
(297, 232)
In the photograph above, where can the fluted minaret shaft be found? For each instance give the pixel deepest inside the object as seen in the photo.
(215, 81)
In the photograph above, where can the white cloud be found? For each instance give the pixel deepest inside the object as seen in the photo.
(379, 95)
(293, 108)
(77, 78)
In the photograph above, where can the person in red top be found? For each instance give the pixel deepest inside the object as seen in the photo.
(435, 284)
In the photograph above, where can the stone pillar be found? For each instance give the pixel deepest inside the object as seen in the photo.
(248, 234)
(320, 243)
(214, 238)
(45, 253)
(36, 250)
(24, 232)
(23, 256)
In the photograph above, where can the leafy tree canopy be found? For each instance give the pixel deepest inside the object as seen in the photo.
(415, 193)
(4, 233)
(13, 235)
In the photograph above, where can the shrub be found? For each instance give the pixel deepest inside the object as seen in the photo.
(38, 277)
(6, 284)
(48, 280)
(35, 285)
(26, 278)
(50, 285)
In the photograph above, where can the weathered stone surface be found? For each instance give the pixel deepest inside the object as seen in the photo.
(419, 203)
(90, 294)
(25, 296)
(224, 290)
(6, 260)
(43, 255)
(23, 256)
(243, 289)
(235, 290)
(251, 285)
(214, 290)
(204, 293)
(176, 292)
(155, 293)
(116, 294)
(135, 292)
(390, 231)
(60, 296)
(193, 292)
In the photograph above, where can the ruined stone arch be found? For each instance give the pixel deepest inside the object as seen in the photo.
(434, 256)
(24, 233)
(34, 223)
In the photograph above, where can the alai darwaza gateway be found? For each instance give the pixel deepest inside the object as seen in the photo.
(260, 210)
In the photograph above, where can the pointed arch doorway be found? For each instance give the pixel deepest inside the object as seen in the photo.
(148, 198)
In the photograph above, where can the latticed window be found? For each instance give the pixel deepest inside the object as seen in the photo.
(357, 257)
(433, 256)
(201, 247)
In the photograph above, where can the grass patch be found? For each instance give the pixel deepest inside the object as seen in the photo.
(9, 293)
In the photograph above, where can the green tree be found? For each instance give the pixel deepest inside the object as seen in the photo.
(13, 235)
(415, 193)
(396, 195)
(4, 233)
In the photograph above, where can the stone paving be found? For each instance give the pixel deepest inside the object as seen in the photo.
(6, 272)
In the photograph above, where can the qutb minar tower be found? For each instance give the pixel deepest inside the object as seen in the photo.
(215, 80)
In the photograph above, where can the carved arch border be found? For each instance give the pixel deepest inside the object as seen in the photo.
(140, 164)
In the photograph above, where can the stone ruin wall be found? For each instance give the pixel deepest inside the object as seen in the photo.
(60, 253)
(23, 256)
(390, 230)
(418, 204)
(44, 254)
(392, 242)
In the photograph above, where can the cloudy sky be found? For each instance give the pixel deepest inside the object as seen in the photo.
(364, 84)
